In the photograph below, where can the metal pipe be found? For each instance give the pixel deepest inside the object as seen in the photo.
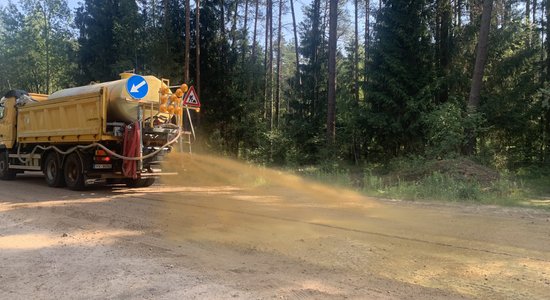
(140, 125)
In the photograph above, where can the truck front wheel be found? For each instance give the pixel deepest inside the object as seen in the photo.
(74, 173)
(53, 171)
(5, 172)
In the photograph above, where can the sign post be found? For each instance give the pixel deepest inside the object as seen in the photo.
(191, 100)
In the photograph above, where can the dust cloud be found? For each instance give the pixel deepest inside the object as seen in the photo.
(198, 170)
(227, 202)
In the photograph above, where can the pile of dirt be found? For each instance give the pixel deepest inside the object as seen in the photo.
(460, 169)
(465, 169)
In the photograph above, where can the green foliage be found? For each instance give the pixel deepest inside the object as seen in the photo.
(511, 104)
(108, 38)
(38, 50)
(307, 115)
(399, 92)
(234, 105)
(445, 130)
(162, 51)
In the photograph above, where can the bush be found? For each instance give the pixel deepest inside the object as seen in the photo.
(445, 130)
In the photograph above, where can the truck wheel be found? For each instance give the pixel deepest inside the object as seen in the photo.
(53, 171)
(74, 174)
(148, 182)
(139, 183)
(5, 172)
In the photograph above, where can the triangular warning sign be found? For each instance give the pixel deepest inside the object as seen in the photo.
(191, 99)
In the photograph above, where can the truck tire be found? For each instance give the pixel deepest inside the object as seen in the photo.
(148, 182)
(53, 172)
(74, 173)
(5, 172)
(139, 183)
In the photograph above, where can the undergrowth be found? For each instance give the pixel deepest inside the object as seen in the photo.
(457, 180)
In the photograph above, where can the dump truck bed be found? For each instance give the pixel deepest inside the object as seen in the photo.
(64, 120)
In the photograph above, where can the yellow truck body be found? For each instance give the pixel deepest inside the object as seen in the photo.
(87, 125)
(65, 120)
(71, 119)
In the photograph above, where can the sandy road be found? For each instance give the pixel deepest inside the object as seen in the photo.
(213, 242)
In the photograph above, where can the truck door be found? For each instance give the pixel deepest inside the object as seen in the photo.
(7, 123)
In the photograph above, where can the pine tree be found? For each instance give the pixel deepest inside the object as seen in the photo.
(108, 38)
(401, 68)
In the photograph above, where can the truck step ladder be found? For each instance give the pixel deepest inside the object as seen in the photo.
(188, 134)
(185, 139)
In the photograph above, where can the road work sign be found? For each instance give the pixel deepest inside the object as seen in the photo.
(191, 99)
(137, 87)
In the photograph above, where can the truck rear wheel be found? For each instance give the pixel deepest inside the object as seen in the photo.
(74, 173)
(53, 172)
(138, 183)
(5, 172)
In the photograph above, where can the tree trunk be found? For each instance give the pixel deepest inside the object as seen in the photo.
(254, 37)
(547, 44)
(245, 30)
(234, 24)
(534, 33)
(268, 62)
(331, 111)
(317, 36)
(528, 12)
(266, 56)
(198, 49)
(279, 50)
(534, 10)
(270, 69)
(222, 27)
(356, 54)
(326, 16)
(187, 40)
(507, 14)
(47, 57)
(459, 13)
(443, 30)
(546, 79)
(298, 74)
(479, 68)
(367, 45)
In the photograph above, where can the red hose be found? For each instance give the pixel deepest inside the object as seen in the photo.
(131, 149)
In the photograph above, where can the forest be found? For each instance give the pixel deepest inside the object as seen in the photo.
(361, 86)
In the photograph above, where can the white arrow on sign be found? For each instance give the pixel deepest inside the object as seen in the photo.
(135, 88)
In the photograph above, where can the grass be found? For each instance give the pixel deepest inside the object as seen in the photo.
(451, 181)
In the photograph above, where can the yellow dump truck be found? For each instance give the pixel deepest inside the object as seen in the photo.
(115, 131)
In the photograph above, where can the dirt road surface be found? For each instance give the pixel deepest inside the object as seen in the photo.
(195, 241)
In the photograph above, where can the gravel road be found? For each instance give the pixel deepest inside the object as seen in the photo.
(199, 241)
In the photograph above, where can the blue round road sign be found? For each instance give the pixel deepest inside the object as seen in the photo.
(137, 87)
